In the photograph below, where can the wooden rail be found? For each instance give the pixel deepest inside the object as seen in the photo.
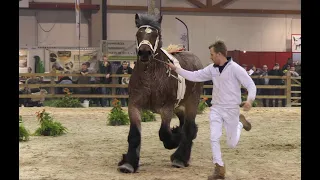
(289, 83)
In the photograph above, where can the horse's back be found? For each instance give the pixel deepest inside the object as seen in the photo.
(188, 60)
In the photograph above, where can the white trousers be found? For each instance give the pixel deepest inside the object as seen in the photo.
(229, 117)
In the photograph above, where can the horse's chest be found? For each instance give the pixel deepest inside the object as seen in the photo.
(153, 91)
(157, 93)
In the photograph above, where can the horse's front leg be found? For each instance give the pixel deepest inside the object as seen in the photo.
(181, 157)
(170, 137)
(130, 161)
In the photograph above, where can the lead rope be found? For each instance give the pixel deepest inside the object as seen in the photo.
(169, 74)
(168, 69)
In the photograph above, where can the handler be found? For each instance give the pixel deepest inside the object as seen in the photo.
(227, 77)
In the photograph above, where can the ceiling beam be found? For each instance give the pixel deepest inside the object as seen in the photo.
(61, 6)
(197, 3)
(204, 10)
(223, 3)
(88, 16)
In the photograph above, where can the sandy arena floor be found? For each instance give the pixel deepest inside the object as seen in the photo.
(91, 149)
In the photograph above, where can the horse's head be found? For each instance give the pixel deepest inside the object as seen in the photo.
(148, 36)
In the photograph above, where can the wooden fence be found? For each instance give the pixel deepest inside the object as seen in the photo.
(290, 82)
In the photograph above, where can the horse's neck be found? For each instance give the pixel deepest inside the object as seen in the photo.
(158, 62)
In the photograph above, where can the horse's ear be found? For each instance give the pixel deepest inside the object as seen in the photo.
(137, 19)
(294, 38)
(160, 19)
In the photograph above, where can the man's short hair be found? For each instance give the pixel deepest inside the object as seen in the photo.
(219, 47)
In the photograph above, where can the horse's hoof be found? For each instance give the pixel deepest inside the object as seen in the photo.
(177, 164)
(126, 168)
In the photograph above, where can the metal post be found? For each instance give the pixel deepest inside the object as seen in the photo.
(104, 19)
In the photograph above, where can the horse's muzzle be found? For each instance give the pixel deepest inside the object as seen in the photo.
(144, 55)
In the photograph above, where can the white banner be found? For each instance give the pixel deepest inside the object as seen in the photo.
(296, 43)
(77, 8)
(182, 31)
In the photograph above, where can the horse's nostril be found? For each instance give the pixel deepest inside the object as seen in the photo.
(144, 53)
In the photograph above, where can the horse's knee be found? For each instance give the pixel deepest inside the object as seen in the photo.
(181, 117)
(164, 134)
(170, 139)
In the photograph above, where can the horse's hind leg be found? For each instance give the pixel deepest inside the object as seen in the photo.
(169, 137)
(181, 157)
(130, 161)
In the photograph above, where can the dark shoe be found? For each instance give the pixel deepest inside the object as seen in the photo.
(219, 172)
(246, 124)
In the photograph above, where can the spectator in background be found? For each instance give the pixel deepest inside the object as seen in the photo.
(289, 63)
(294, 74)
(286, 69)
(297, 66)
(84, 79)
(264, 80)
(105, 68)
(293, 71)
(243, 91)
(64, 80)
(244, 66)
(285, 73)
(84, 68)
(123, 69)
(255, 72)
(276, 71)
(252, 69)
(93, 80)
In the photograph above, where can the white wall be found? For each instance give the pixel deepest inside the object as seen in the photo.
(27, 31)
(238, 4)
(165, 3)
(250, 32)
(266, 4)
(239, 32)
(57, 1)
(51, 28)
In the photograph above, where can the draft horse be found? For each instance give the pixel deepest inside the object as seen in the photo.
(151, 87)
